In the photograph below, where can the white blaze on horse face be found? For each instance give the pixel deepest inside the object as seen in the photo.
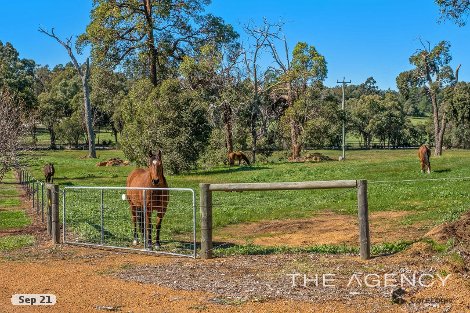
(154, 162)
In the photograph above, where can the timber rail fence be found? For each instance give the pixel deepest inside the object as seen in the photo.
(206, 191)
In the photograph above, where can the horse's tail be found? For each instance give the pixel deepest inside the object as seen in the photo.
(426, 156)
(245, 158)
(425, 153)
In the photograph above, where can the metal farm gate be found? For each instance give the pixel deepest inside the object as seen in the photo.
(101, 217)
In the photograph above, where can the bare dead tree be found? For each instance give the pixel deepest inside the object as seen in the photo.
(260, 37)
(84, 73)
(284, 88)
(12, 127)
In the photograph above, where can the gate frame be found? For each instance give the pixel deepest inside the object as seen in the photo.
(206, 206)
(194, 254)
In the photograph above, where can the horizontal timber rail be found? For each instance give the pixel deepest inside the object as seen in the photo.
(206, 206)
(327, 184)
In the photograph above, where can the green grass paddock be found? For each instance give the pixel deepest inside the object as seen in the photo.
(394, 184)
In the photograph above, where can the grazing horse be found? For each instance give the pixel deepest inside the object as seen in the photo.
(49, 172)
(155, 200)
(237, 155)
(424, 153)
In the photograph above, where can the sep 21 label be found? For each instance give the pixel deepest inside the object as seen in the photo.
(33, 299)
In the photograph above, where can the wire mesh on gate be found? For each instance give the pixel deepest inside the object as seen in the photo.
(102, 216)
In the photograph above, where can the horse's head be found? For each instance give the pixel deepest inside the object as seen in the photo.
(156, 167)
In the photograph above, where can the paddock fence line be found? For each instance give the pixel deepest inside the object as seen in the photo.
(206, 205)
(44, 199)
(101, 217)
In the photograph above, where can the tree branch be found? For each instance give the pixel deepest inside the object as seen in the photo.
(67, 46)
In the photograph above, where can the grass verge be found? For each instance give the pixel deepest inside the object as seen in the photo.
(13, 219)
(9, 243)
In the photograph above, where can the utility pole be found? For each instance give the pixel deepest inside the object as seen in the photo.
(343, 157)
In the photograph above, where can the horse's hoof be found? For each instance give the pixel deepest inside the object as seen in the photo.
(134, 243)
(157, 246)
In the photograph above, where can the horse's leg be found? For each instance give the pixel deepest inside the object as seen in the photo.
(149, 228)
(140, 218)
(158, 227)
(429, 168)
(134, 221)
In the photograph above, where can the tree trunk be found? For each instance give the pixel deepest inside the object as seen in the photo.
(442, 129)
(152, 51)
(294, 136)
(228, 127)
(85, 77)
(33, 133)
(438, 132)
(115, 133)
(254, 133)
(52, 135)
(89, 125)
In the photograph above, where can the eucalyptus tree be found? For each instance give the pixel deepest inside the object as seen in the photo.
(456, 10)
(171, 117)
(365, 113)
(84, 73)
(432, 72)
(156, 34)
(305, 68)
(56, 101)
(213, 73)
(318, 113)
(459, 108)
(258, 42)
(17, 74)
(460, 102)
(108, 91)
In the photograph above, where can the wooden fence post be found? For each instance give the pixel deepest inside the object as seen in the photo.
(364, 236)
(55, 215)
(42, 202)
(206, 221)
(49, 209)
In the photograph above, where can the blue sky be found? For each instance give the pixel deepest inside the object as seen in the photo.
(359, 38)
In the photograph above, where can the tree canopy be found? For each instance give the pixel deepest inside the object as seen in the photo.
(154, 34)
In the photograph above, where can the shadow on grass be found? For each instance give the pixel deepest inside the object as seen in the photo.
(108, 235)
(445, 170)
(66, 183)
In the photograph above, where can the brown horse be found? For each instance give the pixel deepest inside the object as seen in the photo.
(49, 172)
(237, 155)
(155, 200)
(424, 153)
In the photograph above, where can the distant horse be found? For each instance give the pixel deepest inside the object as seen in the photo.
(424, 154)
(237, 155)
(155, 200)
(49, 172)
